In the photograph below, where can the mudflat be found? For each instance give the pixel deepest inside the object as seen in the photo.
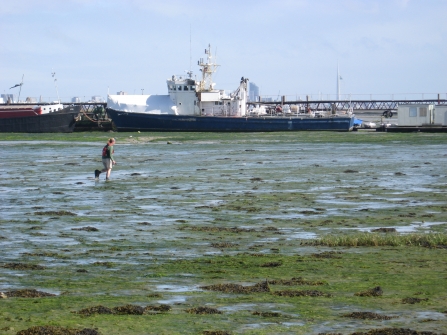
(196, 233)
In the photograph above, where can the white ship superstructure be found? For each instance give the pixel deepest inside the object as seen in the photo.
(188, 96)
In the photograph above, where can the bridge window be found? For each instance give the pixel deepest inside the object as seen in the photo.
(185, 88)
(423, 111)
(193, 88)
(413, 112)
(179, 87)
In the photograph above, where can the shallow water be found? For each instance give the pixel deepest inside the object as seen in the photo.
(159, 191)
(156, 188)
(414, 227)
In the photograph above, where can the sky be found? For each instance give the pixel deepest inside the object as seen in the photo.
(384, 49)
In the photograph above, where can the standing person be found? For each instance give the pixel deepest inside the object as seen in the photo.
(107, 159)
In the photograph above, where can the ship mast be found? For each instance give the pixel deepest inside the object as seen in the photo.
(338, 84)
(21, 84)
(207, 69)
(53, 74)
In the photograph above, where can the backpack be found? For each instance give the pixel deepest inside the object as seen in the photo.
(104, 151)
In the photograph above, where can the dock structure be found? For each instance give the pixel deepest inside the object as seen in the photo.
(320, 105)
(364, 105)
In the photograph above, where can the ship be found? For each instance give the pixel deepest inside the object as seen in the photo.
(197, 106)
(52, 118)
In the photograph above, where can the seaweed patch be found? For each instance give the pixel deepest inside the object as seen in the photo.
(203, 310)
(350, 171)
(271, 264)
(295, 281)
(224, 245)
(219, 229)
(304, 293)
(95, 310)
(161, 308)
(123, 310)
(88, 228)
(128, 310)
(56, 213)
(267, 314)
(22, 266)
(413, 300)
(373, 292)
(328, 254)
(384, 230)
(26, 293)
(236, 288)
(55, 330)
(368, 316)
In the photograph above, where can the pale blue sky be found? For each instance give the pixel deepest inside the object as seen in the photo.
(286, 47)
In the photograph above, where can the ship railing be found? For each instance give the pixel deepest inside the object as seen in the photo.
(226, 112)
(275, 114)
(219, 111)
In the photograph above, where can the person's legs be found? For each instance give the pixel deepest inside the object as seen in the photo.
(108, 173)
(107, 162)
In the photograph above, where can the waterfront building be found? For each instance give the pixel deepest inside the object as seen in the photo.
(6, 97)
(97, 98)
(253, 92)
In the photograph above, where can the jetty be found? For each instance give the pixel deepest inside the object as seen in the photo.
(360, 105)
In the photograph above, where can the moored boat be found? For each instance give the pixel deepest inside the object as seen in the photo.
(38, 119)
(18, 110)
(197, 106)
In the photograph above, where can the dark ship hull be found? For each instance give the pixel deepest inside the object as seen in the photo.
(125, 121)
(62, 121)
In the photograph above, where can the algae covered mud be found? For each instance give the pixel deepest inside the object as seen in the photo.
(306, 233)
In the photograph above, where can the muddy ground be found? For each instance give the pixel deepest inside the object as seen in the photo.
(217, 227)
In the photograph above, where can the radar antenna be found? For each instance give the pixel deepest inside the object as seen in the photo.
(207, 69)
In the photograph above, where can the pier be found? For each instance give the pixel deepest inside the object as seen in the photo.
(359, 105)
(356, 105)
(87, 106)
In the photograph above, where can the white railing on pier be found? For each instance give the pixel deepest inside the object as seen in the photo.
(352, 97)
(65, 100)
